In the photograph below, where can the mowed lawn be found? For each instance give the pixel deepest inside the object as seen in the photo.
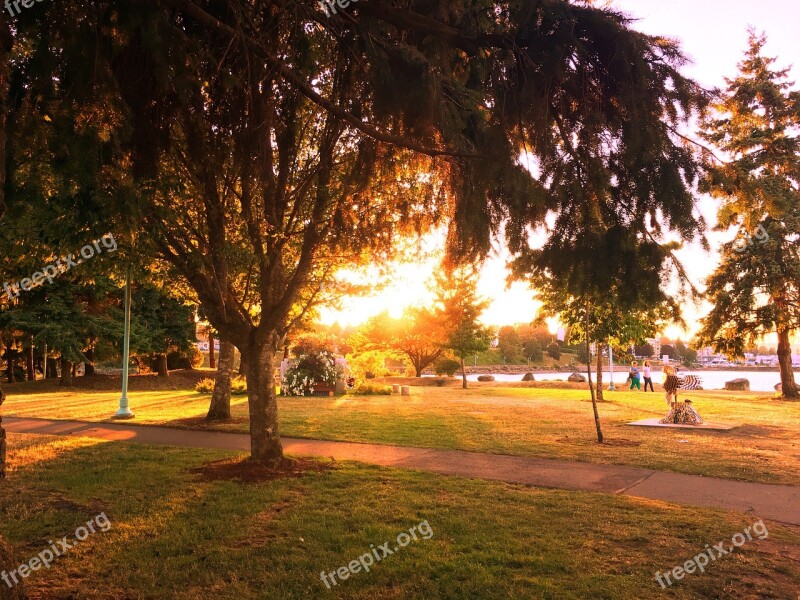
(175, 534)
(543, 422)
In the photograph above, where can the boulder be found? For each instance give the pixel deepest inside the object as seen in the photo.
(778, 387)
(576, 378)
(485, 377)
(740, 384)
(528, 377)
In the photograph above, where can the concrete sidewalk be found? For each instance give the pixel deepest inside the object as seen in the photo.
(776, 502)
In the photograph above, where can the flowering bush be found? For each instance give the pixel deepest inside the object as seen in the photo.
(316, 367)
(204, 386)
(238, 386)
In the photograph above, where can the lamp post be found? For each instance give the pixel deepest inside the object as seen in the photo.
(124, 411)
(611, 387)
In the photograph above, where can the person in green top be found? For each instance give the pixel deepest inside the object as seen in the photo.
(635, 376)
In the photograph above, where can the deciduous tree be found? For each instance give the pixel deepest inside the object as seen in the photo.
(509, 343)
(419, 334)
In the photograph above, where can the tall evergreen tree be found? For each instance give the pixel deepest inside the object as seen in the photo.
(756, 287)
(160, 324)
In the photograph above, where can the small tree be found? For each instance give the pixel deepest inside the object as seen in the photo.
(554, 351)
(509, 343)
(446, 366)
(461, 308)
(533, 350)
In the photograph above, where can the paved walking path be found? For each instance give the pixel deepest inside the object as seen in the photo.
(777, 502)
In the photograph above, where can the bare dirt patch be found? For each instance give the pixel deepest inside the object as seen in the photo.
(262, 530)
(249, 471)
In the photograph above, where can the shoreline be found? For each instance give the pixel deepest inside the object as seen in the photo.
(522, 369)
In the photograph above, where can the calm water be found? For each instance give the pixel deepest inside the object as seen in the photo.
(760, 381)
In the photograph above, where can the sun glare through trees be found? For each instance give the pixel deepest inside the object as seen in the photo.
(382, 299)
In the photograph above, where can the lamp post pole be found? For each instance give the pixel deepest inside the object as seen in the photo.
(611, 387)
(124, 411)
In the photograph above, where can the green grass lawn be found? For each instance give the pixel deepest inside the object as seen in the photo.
(550, 423)
(176, 535)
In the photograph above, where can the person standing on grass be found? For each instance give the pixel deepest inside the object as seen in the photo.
(635, 376)
(648, 379)
(670, 385)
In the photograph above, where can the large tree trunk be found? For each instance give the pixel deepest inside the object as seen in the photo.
(221, 398)
(599, 386)
(788, 385)
(463, 375)
(416, 362)
(161, 365)
(31, 363)
(212, 357)
(265, 442)
(66, 373)
(88, 366)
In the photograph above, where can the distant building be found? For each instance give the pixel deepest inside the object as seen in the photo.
(656, 344)
(767, 359)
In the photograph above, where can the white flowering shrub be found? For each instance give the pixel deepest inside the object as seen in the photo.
(316, 367)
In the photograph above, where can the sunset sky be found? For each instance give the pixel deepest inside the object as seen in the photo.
(713, 34)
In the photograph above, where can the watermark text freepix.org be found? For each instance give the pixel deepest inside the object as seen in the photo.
(47, 556)
(365, 561)
(701, 560)
(745, 240)
(12, 5)
(62, 265)
(329, 6)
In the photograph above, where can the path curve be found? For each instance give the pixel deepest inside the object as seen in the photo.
(776, 502)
